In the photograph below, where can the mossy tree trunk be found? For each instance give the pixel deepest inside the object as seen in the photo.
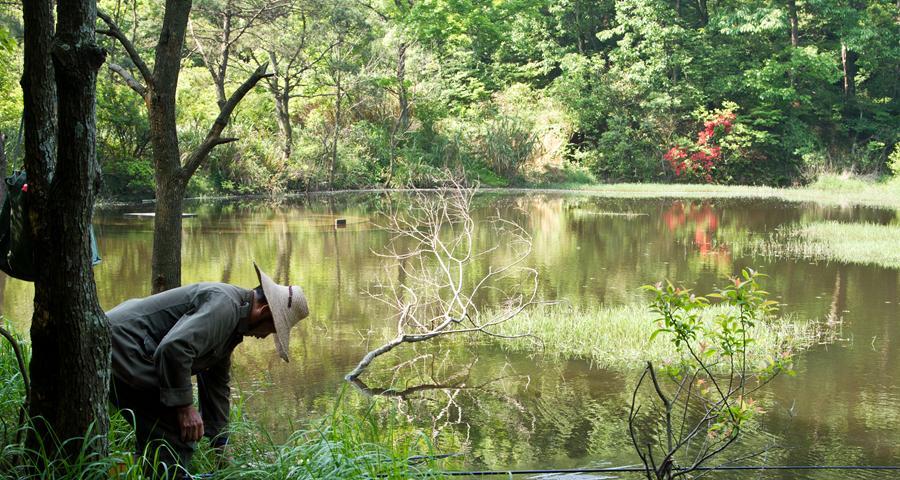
(70, 364)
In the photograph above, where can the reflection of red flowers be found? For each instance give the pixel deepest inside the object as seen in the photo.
(700, 159)
(702, 218)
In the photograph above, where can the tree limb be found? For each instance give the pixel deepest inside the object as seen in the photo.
(129, 79)
(116, 33)
(196, 158)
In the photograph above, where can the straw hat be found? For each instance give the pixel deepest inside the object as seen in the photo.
(288, 306)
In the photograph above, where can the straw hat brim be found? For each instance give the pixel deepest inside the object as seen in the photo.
(288, 306)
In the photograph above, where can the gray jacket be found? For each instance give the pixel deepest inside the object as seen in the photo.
(160, 341)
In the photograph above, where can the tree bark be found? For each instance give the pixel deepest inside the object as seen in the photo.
(795, 28)
(166, 257)
(39, 88)
(848, 61)
(69, 332)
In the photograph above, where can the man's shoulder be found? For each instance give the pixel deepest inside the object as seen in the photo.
(222, 292)
(221, 287)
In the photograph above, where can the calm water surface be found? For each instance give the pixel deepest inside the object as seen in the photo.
(505, 411)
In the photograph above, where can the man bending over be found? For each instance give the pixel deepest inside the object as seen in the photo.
(161, 341)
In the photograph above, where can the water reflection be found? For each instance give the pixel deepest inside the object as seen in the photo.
(843, 406)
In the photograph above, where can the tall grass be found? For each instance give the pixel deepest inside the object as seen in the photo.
(342, 445)
(619, 336)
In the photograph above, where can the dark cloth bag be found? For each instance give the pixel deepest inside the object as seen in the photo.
(16, 245)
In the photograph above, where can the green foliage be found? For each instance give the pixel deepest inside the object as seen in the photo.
(514, 91)
(10, 70)
(894, 160)
(12, 391)
(726, 339)
(706, 403)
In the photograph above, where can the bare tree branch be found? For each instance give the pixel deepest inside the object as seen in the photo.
(116, 33)
(435, 294)
(129, 79)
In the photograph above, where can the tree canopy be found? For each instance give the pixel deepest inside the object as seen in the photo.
(388, 92)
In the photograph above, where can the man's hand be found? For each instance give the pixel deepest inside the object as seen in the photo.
(190, 423)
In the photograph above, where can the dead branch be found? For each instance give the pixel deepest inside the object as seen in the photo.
(434, 250)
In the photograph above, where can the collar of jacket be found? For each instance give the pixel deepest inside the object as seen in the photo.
(244, 314)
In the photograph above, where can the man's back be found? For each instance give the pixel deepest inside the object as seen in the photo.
(159, 341)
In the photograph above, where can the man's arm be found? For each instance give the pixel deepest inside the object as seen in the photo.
(195, 334)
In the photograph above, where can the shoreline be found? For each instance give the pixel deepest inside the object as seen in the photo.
(848, 193)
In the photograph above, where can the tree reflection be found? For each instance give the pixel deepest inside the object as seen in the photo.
(437, 389)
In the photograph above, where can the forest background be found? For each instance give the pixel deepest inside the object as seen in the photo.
(378, 93)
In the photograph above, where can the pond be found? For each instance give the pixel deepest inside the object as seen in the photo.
(504, 410)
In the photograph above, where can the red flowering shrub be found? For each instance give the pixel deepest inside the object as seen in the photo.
(699, 159)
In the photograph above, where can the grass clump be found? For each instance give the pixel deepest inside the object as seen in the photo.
(859, 243)
(619, 336)
(340, 445)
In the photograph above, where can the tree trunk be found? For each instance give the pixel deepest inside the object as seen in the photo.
(39, 88)
(337, 128)
(704, 12)
(402, 125)
(166, 269)
(283, 116)
(848, 60)
(795, 28)
(3, 166)
(69, 331)
(166, 259)
(402, 92)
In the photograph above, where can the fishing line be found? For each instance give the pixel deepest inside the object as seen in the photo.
(485, 473)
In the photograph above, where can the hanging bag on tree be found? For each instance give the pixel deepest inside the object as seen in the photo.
(16, 245)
